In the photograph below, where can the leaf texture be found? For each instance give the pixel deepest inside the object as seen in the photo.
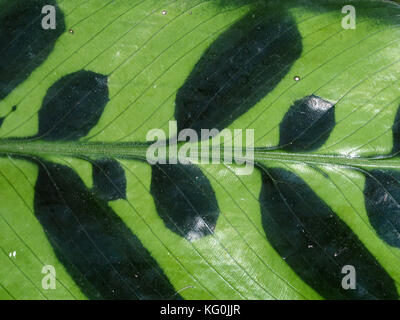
(76, 106)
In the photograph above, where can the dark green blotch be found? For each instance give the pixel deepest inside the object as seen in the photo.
(382, 198)
(100, 252)
(24, 45)
(315, 242)
(184, 199)
(243, 65)
(307, 124)
(109, 181)
(73, 106)
(396, 133)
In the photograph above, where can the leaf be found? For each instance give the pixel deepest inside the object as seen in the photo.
(105, 259)
(185, 200)
(307, 124)
(23, 43)
(78, 194)
(396, 134)
(381, 200)
(315, 242)
(226, 82)
(109, 181)
(72, 106)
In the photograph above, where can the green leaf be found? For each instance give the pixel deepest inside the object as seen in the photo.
(315, 242)
(24, 44)
(241, 67)
(78, 194)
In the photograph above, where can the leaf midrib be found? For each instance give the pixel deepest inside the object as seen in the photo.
(138, 151)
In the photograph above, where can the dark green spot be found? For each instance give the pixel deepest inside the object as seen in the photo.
(382, 201)
(243, 65)
(184, 199)
(315, 242)
(109, 181)
(102, 255)
(24, 45)
(73, 106)
(396, 133)
(307, 124)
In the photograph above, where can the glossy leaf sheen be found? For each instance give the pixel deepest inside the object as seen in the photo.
(382, 196)
(184, 199)
(307, 124)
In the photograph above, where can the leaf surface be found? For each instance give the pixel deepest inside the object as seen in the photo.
(78, 194)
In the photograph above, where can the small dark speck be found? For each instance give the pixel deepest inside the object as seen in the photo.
(14, 108)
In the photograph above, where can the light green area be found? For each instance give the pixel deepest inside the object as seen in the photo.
(22, 233)
(148, 56)
(358, 70)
